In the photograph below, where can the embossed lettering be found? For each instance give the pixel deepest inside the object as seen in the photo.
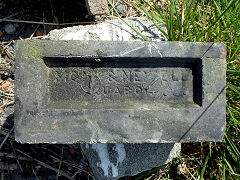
(166, 83)
(137, 77)
(176, 75)
(117, 91)
(111, 76)
(138, 90)
(74, 75)
(106, 89)
(127, 90)
(126, 76)
(58, 76)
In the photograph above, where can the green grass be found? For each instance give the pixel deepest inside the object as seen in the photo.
(205, 21)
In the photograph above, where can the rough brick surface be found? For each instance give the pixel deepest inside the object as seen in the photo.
(133, 92)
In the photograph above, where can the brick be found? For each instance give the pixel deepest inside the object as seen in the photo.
(104, 91)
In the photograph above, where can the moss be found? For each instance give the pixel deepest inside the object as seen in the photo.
(33, 52)
(28, 49)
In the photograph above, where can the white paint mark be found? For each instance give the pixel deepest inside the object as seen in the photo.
(150, 48)
(101, 149)
(132, 50)
(156, 47)
(105, 163)
(121, 153)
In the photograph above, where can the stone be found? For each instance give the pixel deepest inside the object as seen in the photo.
(118, 91)
(112, 161)
(135, 158)
(98, 8)
(120, 7)
(10, 28)
(115, 30)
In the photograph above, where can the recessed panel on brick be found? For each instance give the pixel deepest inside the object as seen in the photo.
(122, 82)
(112, 92)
